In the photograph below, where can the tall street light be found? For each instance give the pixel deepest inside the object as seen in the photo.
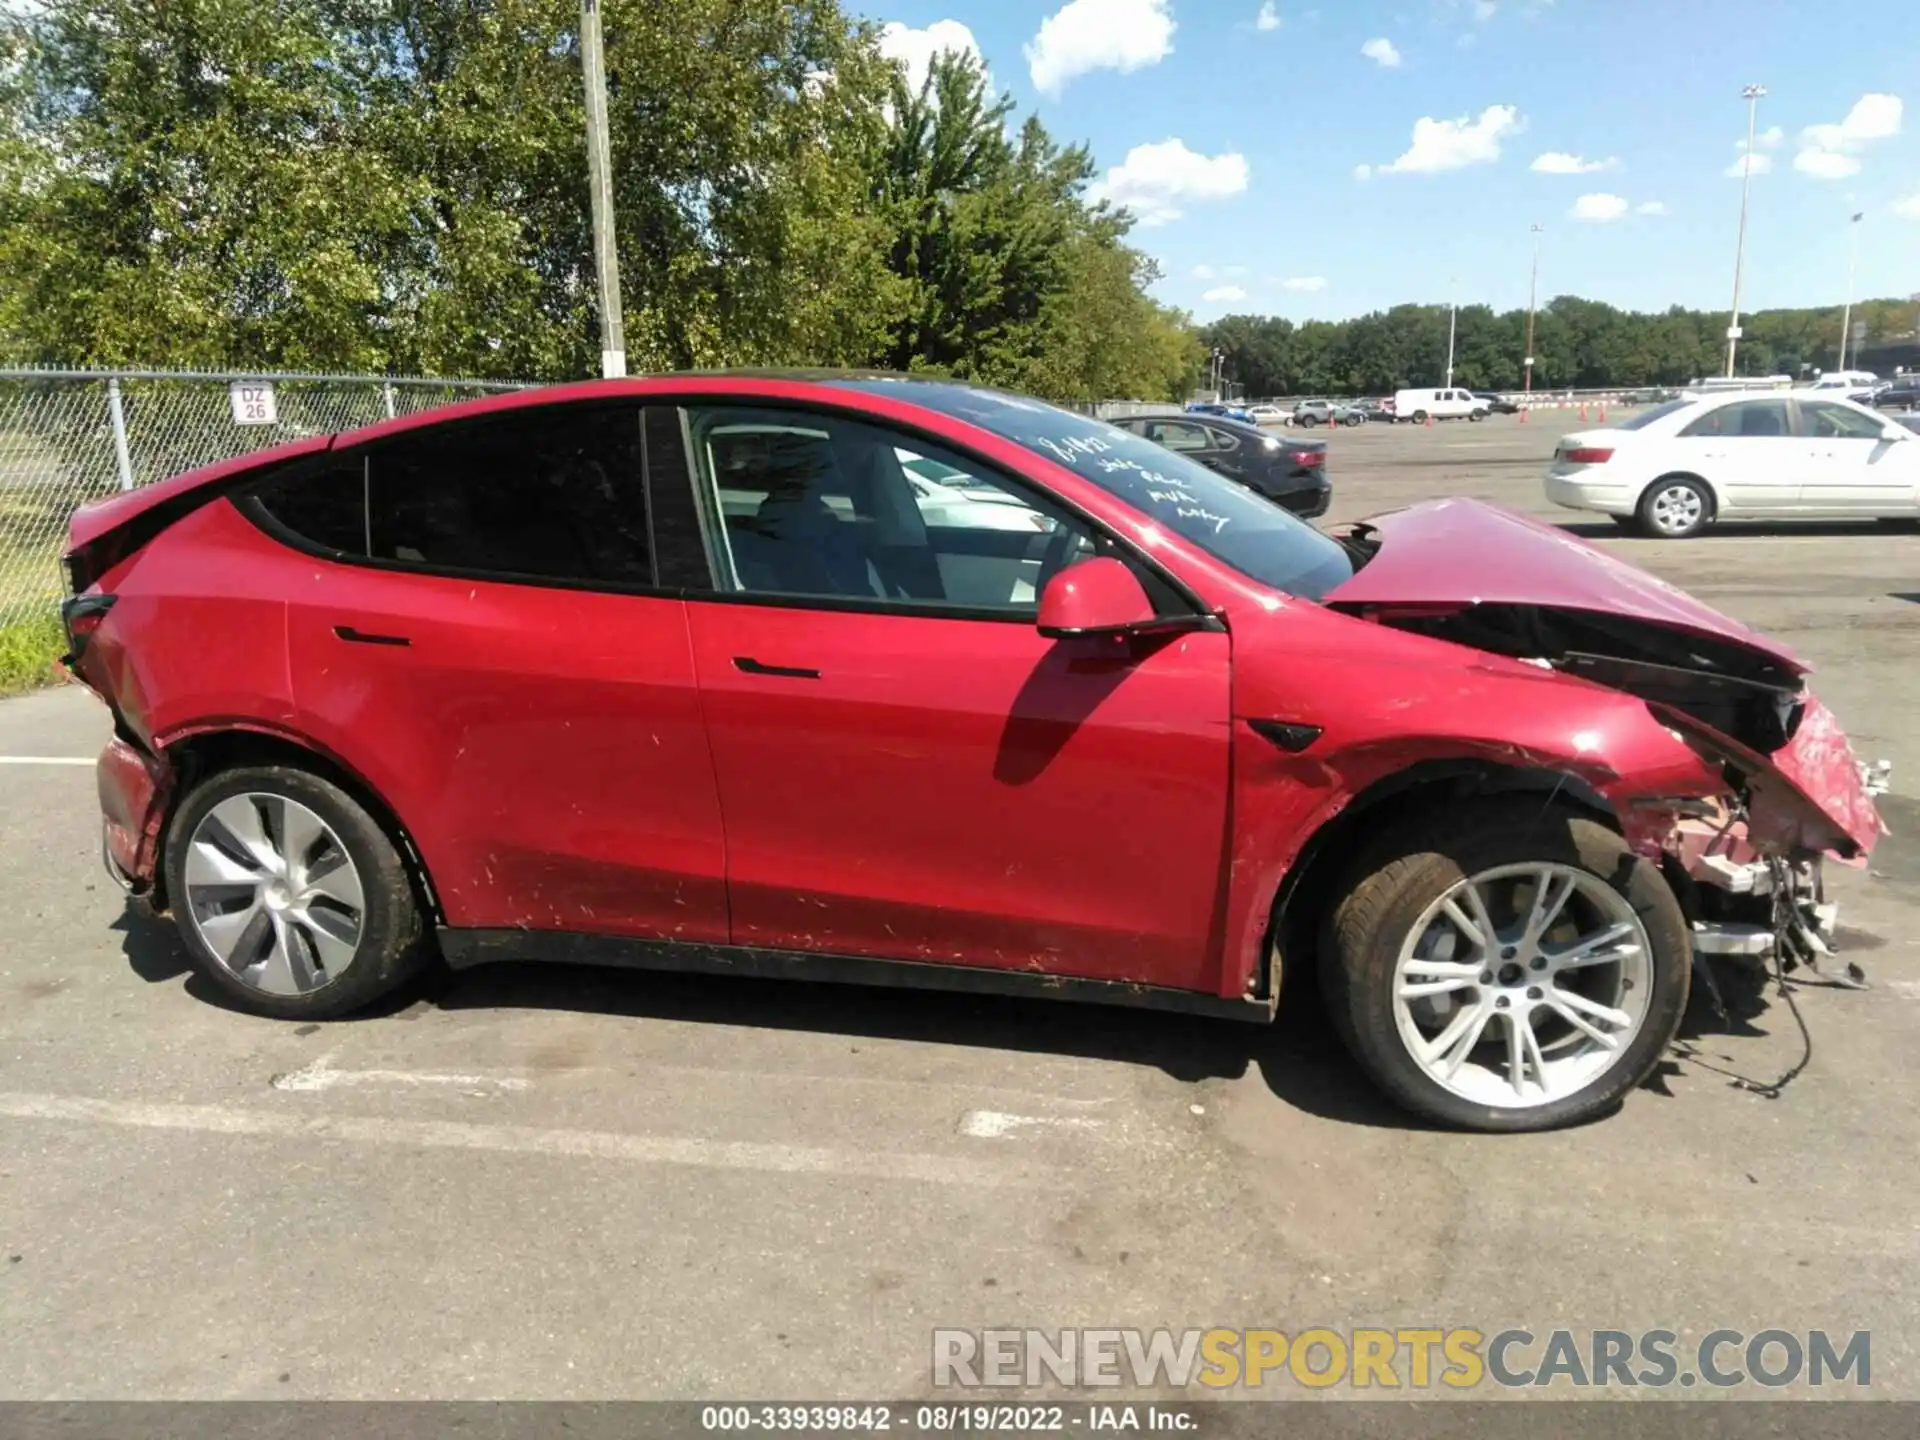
(1533, 290)
(1846, 315)
(606, 261)
(1751, 94)
(1453, 312)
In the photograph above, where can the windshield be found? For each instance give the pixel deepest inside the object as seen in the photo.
(1234, 525)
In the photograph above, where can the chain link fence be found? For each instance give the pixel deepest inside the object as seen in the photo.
(69, 436)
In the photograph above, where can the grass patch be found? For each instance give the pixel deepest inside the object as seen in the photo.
(28, 651)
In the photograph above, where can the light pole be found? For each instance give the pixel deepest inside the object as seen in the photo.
(1751, 94)
(1846, 315)
(1453, 312)
(606, 260)
(1533, 290)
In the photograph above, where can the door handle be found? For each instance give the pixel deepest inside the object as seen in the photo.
(746, 664)
(365, 637)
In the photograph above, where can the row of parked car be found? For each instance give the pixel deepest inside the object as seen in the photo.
(1415, 406)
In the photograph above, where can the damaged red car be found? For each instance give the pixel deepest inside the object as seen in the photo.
(909, 683)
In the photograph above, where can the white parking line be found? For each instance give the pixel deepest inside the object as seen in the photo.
(521, 1139)
(999, 1125)
(46, 760)
(321, 1075)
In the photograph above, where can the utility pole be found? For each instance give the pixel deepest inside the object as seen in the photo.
(1533, 290)
(1453, 312)
(606, 260)
(1846, 315)
(1752, 95)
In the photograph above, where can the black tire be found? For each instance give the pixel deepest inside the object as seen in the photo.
(1394, 883)
(1419, 417)
(1644, 513)
(1307, 422)
(389, 949)
(1353, 420)
(1476, 416)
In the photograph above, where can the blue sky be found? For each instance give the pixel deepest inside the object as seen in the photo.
(1240, 131)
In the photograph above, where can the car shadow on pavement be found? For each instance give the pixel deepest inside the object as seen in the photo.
(1737, 529)
(1297, 1056)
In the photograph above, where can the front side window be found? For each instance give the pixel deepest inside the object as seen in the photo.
(1233, 524)
(549, 494)
(1743, 419)
(810, 505)
(1826, 421)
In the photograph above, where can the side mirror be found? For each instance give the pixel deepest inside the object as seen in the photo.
(1896, 432)
(1100, 596)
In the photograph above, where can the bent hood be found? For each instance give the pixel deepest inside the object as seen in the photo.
(1473, 574)
(1459, 552)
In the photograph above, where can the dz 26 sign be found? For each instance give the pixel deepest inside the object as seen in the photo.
(252, 402)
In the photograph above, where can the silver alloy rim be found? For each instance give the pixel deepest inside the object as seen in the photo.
(1677, 509)
(274, 894)
(1522, 985)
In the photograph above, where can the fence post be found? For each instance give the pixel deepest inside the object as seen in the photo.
(386, 394)
(118, 415)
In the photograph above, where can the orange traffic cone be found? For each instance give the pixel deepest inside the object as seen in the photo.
(1603, 412)
(1429, 421)
(1523, 413)
(1583, 410)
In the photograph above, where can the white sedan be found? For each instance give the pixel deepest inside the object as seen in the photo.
(1675, 469)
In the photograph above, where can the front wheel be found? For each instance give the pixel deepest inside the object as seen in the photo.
(1307, 422)
(1517, 968)
(289, 895)
(1476, 416)
(1675, 507)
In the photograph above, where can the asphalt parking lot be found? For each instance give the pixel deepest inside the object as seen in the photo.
(548, 1183)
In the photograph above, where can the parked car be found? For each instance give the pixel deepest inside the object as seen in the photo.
(1381, 410)
(1900, 393)
(1309, 413)
(1267, 415)
(1846, 381)
(1676, 469)
(1496, 404)
(1292, 473)
(1417, 405)
(676, 673)
(1223, 410)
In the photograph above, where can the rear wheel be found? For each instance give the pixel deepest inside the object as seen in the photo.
(1419, 417)
(1675, 507)
(289, 895)
(1518, 968)
(1307, 422)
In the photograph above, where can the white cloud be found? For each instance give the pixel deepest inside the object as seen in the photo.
(1268, 18)
(1873, 117)
(1558, 162)
(1650, 207)
(1909, 208)
(1761, 165)
(1204, 272)
(916, 48)
(1363, 172)
(1087, 35)
(1826, 164)
(1382, 53)
(1156, 181)
(1304, 284)
(1225, 292)
(1451, 144)
(1768, 139)
(1483, 9)
(1827, 151)
(1598, 208)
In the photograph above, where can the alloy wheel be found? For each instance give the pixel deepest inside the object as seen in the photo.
(1523, 984)
(273, 894)
(1677, 509)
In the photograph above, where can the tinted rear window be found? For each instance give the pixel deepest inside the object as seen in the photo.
(548, 493)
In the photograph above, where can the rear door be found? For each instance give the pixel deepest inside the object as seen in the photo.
(480, 632)
(1856, 469)
(908, 769)
(1749, 452)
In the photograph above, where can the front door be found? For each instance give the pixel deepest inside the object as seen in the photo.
(1857, 471)
(907, 768)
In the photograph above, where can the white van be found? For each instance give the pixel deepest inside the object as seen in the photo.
(1456, 404)
(1846, 380)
